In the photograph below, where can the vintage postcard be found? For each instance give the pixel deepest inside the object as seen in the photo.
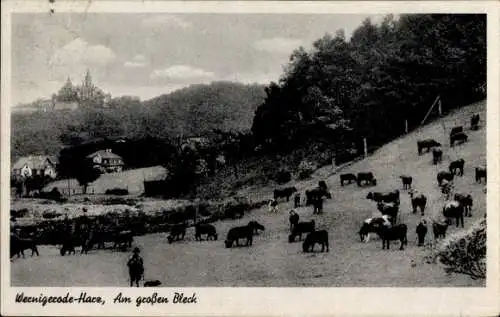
(254, 158)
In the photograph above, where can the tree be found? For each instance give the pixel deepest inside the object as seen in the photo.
(86, 173)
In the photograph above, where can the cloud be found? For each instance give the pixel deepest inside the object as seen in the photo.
(181, 72)
(166, 20)
(79, 51)
(138, 61)
(281, 45)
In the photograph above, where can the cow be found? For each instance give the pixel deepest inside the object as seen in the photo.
(444, 175)
(256, 227)
(457, 129)
(390, 197)
(18, 245)
(300, 228)
(466, 201)
(439, 229)
(437, 155)
(349, 177)
(316, 194)
(447, 188)
(205, 228)
(242, 232)
(454, 209)
(367, 178)
(125, 238)
(407, 181)
(474, 122)
(320, 237)
(322, 185)
(273, 206)
(390, 209)
(177, 232)
(426, 144)
(418, 200)
(296, 200)
(480, 174)
(421, 231)
(388, 234)
(457, 165)
(285, 193)
(294, 219)
(371, 225)
(460, 137)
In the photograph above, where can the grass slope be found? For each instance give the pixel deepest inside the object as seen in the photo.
(272, 261)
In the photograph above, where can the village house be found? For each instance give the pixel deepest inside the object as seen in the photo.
(28, 166)
(106, 161)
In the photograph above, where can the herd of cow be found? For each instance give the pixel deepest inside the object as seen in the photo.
(387, 226)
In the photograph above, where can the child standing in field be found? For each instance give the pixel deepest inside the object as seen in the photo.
(135, 268)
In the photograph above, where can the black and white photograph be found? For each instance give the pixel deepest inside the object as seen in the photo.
(246, 150)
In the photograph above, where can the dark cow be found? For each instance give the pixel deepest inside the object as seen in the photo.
(316, 194)
(466, 201)
(390, 197)
(418, 200)
(474, 122)
(124, 239)
(256, 226)
(407, 181)
(371, 225)
(421, 232)
(389, 209)
(243, 232)
(177, 232)
(437, 155)
(18, 245)
(454, 209)
(439, 229)
(426, 144)
(294, 219)
(296, 200)
(322, 185)
(349, 177)
(445, 175)
(300, 228)
(367, 178)
(456, 130)
(285, 192)
(460, 137)
(320, 237)
(388, 234)
(457, 165)
(205, 228)
(480, 173)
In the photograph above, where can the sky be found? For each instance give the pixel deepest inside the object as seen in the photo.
(150, 54)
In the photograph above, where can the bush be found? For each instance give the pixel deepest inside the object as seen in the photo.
(464, 252)
(306, 169)
(116, 191)
(283, 177)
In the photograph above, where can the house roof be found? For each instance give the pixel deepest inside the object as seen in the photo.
(34, 161)
(105, 154)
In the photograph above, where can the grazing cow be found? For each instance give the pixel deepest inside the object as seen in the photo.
(273, 206)
(444, 175)
(371, 225)
(205, 228)
(256, 227)
(285, 192)
(153, 283)
(480, 173)
(456, 130)
(125, 238)
(426, 144)
(460, 137)
(407, 180)
(296, 200)
(466, 201)
(177, 232)
(388, 234)
(316, 194)
(454, 209)
(349, 177)
(294, 219)
(390, 197)
(439, 229)
(389, 209)
(320, 237)
(418, 200)
(366, 177)
(243, 232)
(457, 165)
(437, 155)
(421, 232)
(18, 245)
(474, 122)
(300, 228)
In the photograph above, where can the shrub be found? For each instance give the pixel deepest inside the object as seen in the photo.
(306, 169)
(117, 191)
(283, 177)
(463, 252)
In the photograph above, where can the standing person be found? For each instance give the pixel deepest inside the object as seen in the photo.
(135, 268)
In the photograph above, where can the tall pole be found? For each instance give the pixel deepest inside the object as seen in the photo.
(365, 146)
(406, 126)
